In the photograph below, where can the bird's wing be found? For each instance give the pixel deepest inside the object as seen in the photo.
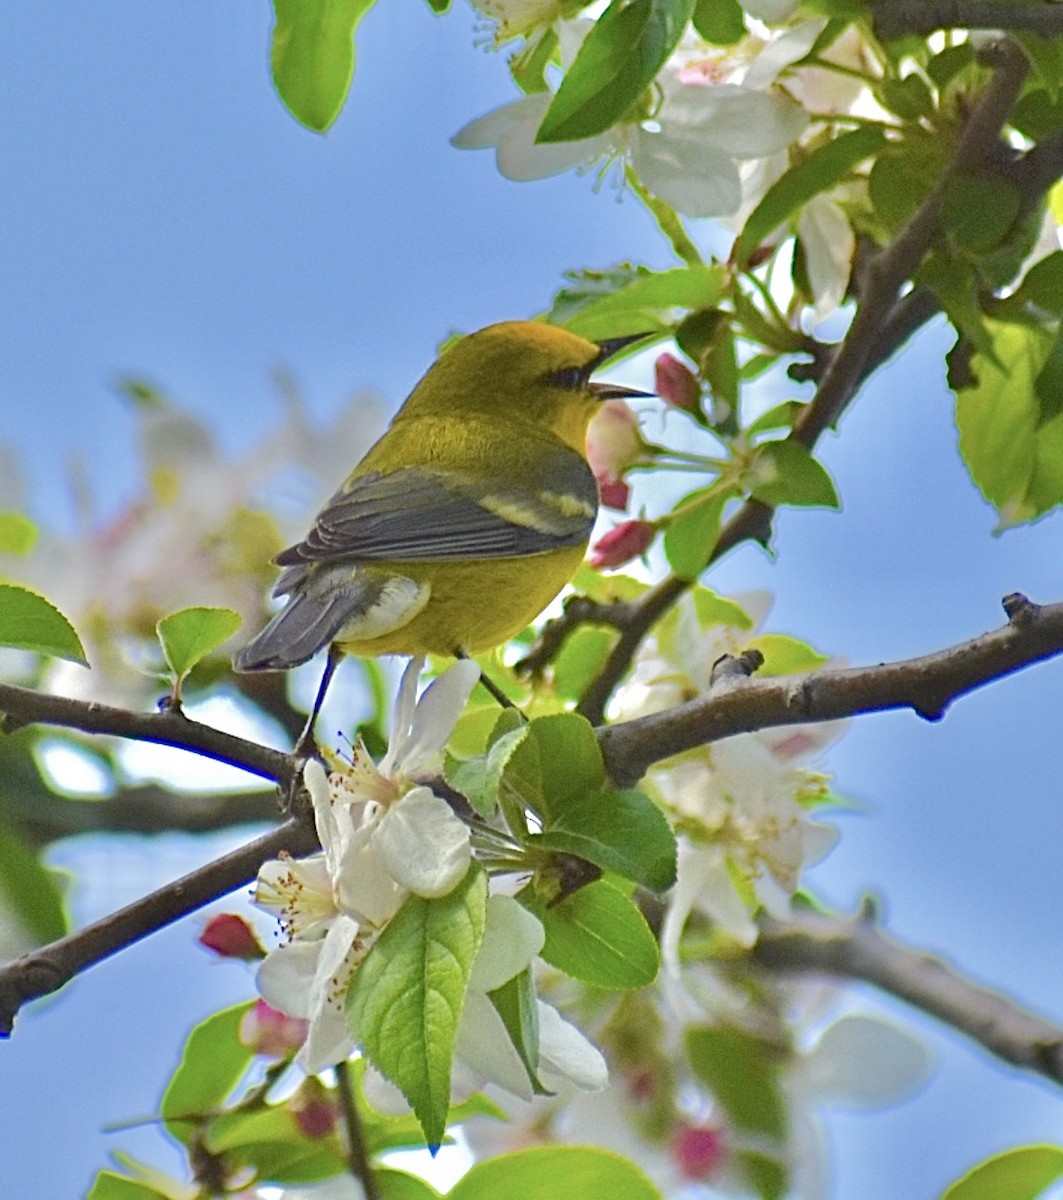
(423, 514)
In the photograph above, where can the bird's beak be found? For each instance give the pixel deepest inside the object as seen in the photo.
(616, 391)
(613, 346)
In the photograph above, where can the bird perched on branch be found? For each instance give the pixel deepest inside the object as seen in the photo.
(465, 519)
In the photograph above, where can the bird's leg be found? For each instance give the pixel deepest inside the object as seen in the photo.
(489, 684)
(304, 747)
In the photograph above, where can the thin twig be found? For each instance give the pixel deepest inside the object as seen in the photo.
(854, 948)
(47, 969)
(357, 1151)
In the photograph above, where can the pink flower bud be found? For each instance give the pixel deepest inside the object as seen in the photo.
(698, 1151)
(620, 545)
(313, 1112)
(271, 1033)
(613, 441)
(614, 493)
(676, 384)
(230, 936)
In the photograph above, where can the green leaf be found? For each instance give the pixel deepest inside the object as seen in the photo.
(28, 890)
(714, 609)
(567, 764)
(398, 1185)
(690, 536)
(955, 283)
(406, 998)
(1043, 285)
(1014, 456)
(312, 56)
(108, 1185)
(547, 1172)
(784, 472)
(979, 210)
(1019, 1174)
(599, 936)
(648, 301)
(742, 1072)
(785, 655)
(212, 1063)
(617, 62)
(621, 831)
(479, 779)
(18, 534)
(944, 67)
(909, 98)
(818, 172)
(721, 22)
(516, 1003)
(580, 659)
(189, 635)
(899, 175)
(782, 416)
(29, 622)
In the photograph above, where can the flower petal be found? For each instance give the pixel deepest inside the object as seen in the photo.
(285, 976)
(694, 178)
(864, 1062)
(483, 1045)
(422, 845)
(512, 938)
(434, 718)
(566, 1053)
(402, 715)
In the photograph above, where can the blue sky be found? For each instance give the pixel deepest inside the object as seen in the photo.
(162, 215)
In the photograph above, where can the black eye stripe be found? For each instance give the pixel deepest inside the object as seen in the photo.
(572, 378)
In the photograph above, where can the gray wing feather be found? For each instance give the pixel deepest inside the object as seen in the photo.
(414, 515)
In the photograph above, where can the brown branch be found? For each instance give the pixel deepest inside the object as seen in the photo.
(357, 1150)
(857, 356)
(854, 948)
(927, 685)
(903, 18)
(22, 706)
(47, 969)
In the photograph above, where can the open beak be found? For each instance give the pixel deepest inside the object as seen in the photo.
(616, 391)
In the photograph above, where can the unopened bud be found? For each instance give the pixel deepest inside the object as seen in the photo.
(271, 1033)
(676, 384)
(620, 545)
(613, 440)
(614, 493)
(230, 936)
(698, 1151)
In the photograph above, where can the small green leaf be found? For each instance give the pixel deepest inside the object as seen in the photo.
(621, 831)
(909, 98)
(714, 609)
(599, 936)
(479, 779)
(212, 1064)
(406, 998)
(721, 22)
(1014, 456)
(108, 1185)
(617, 62)
(1020, 1174)
(782, 416)
(690, 536)
(784, 472)
(818, 172)
(898, 177)
(944, 67)
(191, 634)
(28, 890)
(647, 301)
(516, 1003)
(785, 655)
(312, 56)
(18, 534)
(742, 1072)
(547, 1172)
(1043, 285)
(398, 1185)
(979, 210)
(29, 622)
(568, 763)
(580, 659)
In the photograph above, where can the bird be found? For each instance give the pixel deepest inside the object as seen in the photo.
(463, 521)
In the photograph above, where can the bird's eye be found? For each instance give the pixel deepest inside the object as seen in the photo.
(572, 378)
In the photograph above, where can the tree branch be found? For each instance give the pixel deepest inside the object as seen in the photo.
(901, 18)
(927, 685)
(865, 347)
(854, 948)
(22, 706)
(47, 969)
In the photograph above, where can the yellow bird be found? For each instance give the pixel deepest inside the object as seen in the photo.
(465, 519)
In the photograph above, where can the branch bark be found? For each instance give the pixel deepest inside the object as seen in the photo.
(854, 948)
(927, 685)
(902, 18)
